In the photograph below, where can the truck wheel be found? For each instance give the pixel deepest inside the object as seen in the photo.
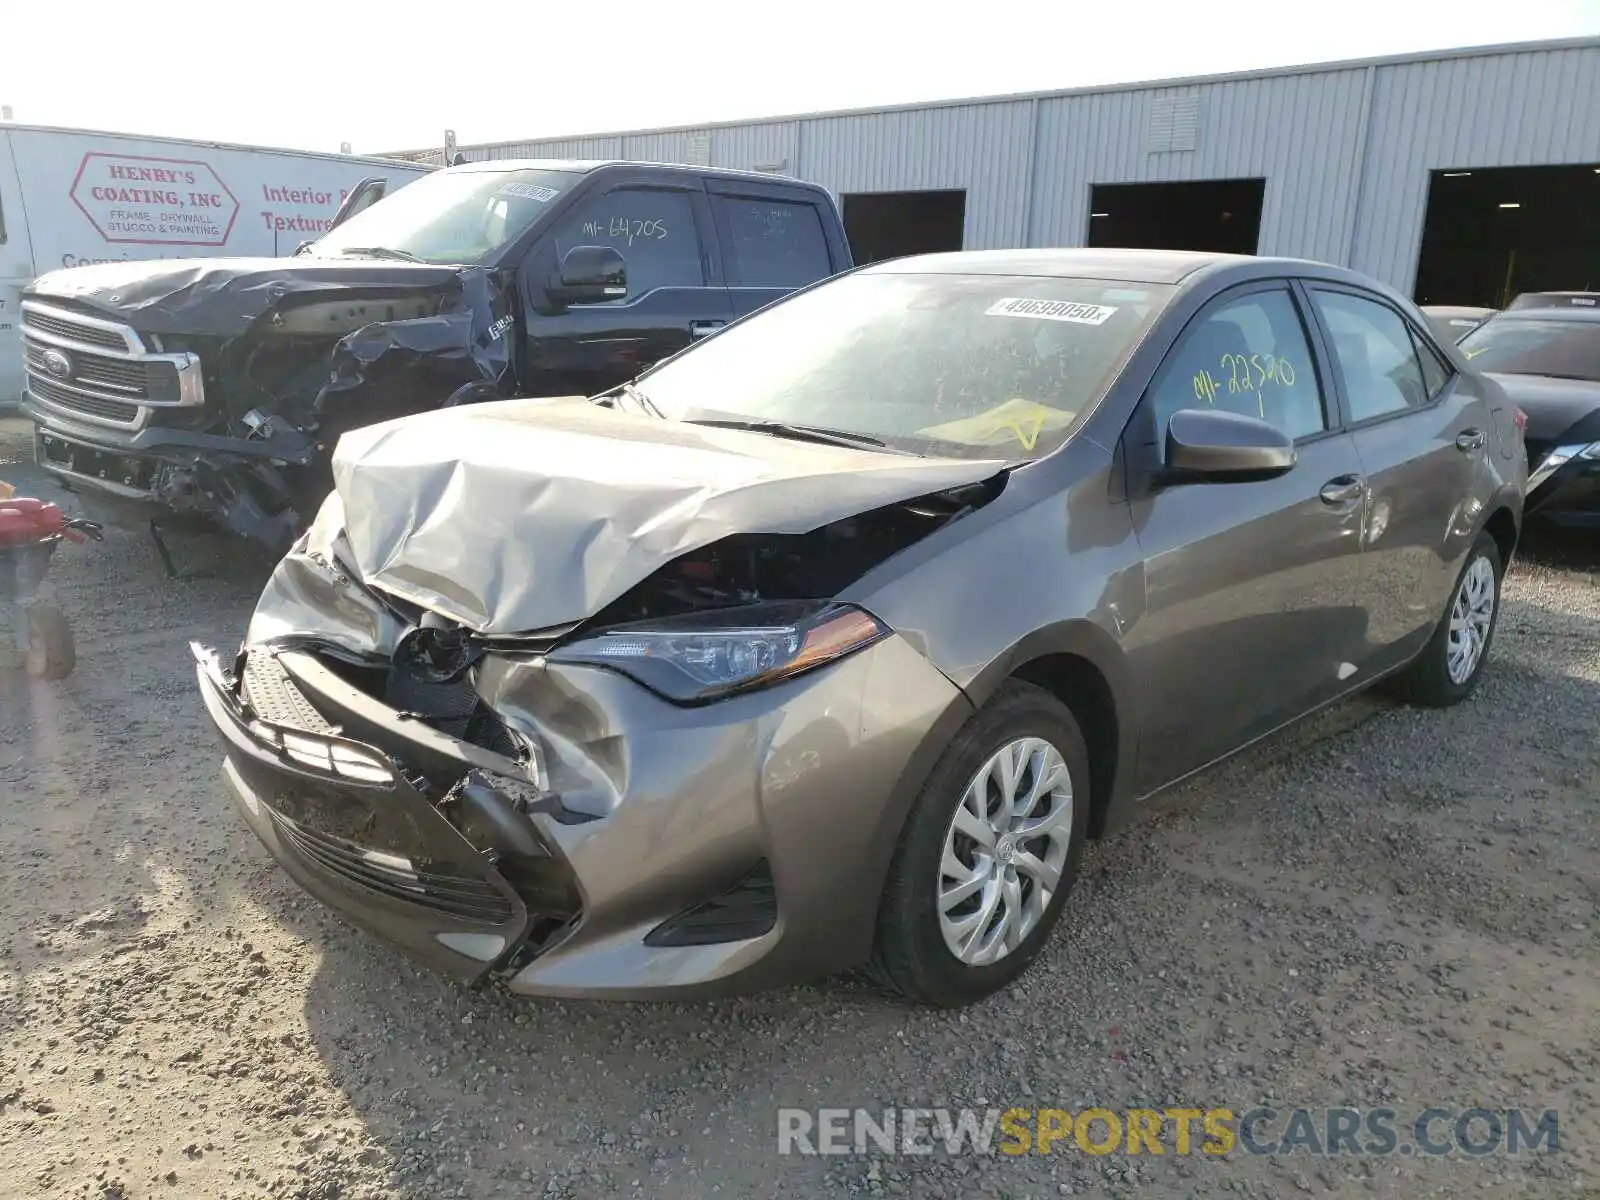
(51, 653)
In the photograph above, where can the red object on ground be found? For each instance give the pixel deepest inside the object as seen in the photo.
(24, 522)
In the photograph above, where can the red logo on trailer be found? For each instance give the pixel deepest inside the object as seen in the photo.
(139, 200)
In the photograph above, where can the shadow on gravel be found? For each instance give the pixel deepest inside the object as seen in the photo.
(1566, 549)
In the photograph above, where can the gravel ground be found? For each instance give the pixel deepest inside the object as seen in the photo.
(1384, 907)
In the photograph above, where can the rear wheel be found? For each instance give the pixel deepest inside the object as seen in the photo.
(51, 652)
(1449, 667)
(988, 854)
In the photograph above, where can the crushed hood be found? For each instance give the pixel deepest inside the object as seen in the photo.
(528, 515)
(224, 296)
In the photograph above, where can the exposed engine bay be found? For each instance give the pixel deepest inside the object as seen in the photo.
(750, 568)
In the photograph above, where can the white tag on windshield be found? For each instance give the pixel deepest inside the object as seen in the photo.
(1051, 310)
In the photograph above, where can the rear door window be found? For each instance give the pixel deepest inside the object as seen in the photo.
(652, 228)
(1375, 355)
(1435, 375)
(772, 242)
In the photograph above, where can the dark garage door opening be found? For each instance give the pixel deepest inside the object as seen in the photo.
(884, 225)
(1490, 234)
(1223, 215)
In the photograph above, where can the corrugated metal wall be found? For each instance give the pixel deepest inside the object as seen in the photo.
(1345, 152)
(1298, 132)
(1514, 110)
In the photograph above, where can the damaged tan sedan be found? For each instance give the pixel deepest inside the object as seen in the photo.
(829, 641)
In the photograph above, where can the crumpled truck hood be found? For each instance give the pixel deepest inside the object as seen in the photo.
(523, 516)
(224, 296)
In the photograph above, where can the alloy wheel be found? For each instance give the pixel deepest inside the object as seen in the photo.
(1471, 617)
(1004, 851)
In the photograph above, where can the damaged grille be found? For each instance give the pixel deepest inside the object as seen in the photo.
(268, 690)
(450, 893)
(448, 707)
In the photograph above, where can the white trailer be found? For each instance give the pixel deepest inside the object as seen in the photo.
(72, 197)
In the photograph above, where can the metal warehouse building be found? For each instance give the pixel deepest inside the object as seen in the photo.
(1458, 176)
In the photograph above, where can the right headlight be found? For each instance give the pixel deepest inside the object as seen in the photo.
(705, 656)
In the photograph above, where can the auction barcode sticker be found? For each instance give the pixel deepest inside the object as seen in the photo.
(1051, 310)
(529, 191)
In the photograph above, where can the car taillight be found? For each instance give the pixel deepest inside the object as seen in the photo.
(1521, 418)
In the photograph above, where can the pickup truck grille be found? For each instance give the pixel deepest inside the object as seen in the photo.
(76, 331)
(98, 371)
(114, 375)
(118, 412)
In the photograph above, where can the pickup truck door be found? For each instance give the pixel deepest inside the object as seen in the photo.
(775, 239)
(661, 226)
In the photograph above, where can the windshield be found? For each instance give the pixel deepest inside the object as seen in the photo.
(972, 366)
(1563, 349)
(450, 216)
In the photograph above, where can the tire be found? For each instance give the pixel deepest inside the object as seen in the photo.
(1429, 681)
(911, 953)
(51, 652)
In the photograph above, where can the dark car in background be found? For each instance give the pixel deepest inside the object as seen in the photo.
(1452, 322)
(1547, 358)
(216, 388)
(830, 640)
(1578, 300)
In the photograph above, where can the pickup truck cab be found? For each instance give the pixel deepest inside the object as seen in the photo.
(216, 388)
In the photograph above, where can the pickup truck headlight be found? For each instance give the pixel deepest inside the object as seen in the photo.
(706, 656)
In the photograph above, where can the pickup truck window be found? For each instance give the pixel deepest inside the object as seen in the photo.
(773, 243)
(652, 228)
(450, 217)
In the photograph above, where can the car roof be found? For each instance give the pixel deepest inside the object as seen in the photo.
(1457, 310)
(1581, 316)
(584, 166)
(1528, 300)
(1121, 265)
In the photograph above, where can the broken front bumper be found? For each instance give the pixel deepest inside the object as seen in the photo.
(238, 483)
(641, 849)
(354, 831)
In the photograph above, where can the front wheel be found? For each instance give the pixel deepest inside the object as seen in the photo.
(1449, 667)
(988, 854)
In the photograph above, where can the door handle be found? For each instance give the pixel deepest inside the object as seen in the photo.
(1342, 490)
(699, 329)
(1469, 440)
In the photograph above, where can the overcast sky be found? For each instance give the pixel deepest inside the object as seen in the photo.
(391, 77)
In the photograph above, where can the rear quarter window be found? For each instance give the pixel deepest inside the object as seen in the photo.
(773, 243)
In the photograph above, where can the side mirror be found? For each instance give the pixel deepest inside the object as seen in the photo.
(1207, 445)
(588, 275)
